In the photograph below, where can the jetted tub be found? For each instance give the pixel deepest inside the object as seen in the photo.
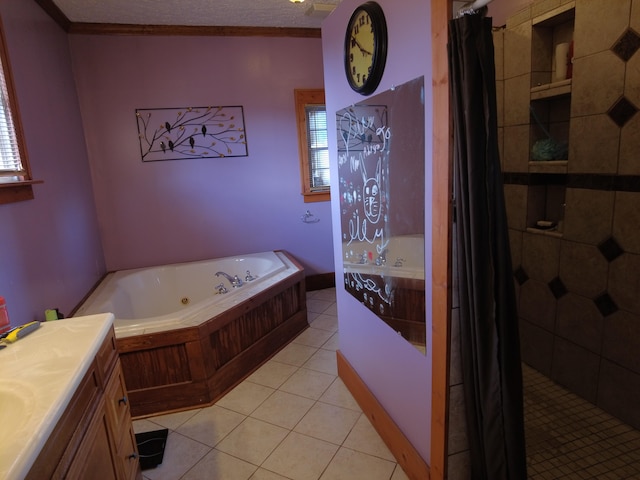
(181, 343)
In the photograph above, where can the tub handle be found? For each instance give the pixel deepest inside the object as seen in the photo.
(221, 289)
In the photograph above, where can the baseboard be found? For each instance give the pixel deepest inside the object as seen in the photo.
(406, 455)
(320, 281)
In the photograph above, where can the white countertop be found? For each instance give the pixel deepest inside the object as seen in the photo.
(38, 376)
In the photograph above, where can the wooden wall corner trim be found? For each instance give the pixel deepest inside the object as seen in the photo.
(404, 452)
(441, 12)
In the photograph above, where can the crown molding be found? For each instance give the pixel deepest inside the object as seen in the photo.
(83, 28)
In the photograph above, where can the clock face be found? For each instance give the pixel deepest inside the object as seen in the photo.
(365, 48)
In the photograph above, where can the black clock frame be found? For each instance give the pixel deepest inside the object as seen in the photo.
(379, 24)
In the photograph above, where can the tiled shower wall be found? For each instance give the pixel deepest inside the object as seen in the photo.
(579, 290)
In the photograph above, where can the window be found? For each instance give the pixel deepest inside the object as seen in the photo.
(311, 116)
(15, 175)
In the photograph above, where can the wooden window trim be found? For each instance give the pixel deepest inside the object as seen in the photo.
(304, 97)
(21, 188)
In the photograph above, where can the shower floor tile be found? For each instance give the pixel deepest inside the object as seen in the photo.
(570, 438)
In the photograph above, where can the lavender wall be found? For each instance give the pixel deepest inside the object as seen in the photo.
(395, 372)
(50, 251)
(172, 211)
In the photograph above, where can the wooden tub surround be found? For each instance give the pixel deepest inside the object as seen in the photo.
(193, 367)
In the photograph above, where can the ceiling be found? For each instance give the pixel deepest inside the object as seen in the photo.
(224, 13)
(245, 13)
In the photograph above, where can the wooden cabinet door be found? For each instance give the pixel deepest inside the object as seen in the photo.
(94, 458)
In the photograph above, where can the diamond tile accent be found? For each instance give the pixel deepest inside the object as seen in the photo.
(622, 111)
(521, 276)
(605, 304)
(557, 288)
(610, 249)
(627, 45)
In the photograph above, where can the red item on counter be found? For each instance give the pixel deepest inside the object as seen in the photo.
(4, 316)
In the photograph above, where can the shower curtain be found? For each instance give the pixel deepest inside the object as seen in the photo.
(490, 354)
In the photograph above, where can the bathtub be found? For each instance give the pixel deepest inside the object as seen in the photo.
(168, 297)
(181, 343)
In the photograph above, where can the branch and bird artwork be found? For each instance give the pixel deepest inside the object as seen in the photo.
(192, 132)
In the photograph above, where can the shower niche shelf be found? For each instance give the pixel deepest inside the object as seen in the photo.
(546, 204)
(549, 125)
(551, 90)
(549, 31)
(549, 166)
(550, 96)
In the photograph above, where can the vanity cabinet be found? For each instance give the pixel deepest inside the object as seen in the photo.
(94, 437)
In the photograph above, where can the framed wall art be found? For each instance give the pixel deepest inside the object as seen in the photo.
(192, 132)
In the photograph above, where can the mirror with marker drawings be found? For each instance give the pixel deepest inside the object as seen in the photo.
(381, 156)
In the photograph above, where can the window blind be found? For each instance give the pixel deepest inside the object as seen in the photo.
(9, 151)
(318, 147)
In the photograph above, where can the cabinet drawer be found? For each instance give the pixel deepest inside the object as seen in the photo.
(117, 400)
(127, 455)
(119, 415)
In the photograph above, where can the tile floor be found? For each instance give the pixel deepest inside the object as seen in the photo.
(569, 438)
(293, 418)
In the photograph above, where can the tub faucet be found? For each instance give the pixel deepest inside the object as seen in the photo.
(382, 258)
(235, 281)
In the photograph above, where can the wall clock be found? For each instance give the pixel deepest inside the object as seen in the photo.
(365, 48)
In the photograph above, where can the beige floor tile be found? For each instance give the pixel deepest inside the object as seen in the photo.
(262, 474)
(294, 354)
(332, 310)
(324, 294)
(328, 422)
(144, 425)
(338, 394)
(318, 305)
(364, 438)
(210, 425)
(245, 398)
(173, 420)
(326, 322)
(323, 361)
(311, 316)
(349, 464)
(180, 454)
(333, 343)
(253, 440)
(300, 457)
(398, 474)
(283, 409)
(272, 374)
(313, 337)
(308, 383)
(220, 466)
